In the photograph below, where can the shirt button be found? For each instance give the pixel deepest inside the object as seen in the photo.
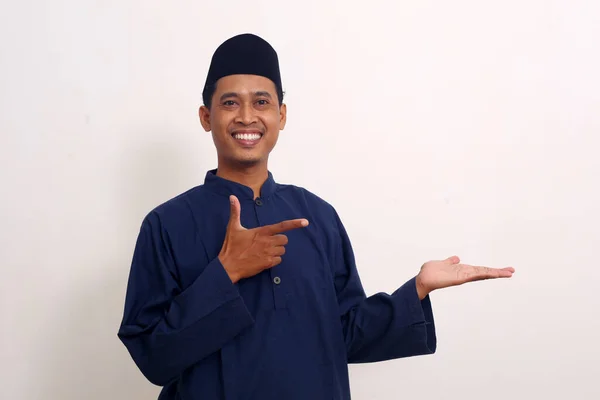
(259, 202)
(277, 280)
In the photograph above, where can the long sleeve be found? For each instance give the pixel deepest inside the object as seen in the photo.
(382, 326)
(167, 329)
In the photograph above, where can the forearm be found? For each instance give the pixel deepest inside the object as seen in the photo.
(198, 322)
(384, 327)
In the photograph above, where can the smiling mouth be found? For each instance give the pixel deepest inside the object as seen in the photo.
(247, 137)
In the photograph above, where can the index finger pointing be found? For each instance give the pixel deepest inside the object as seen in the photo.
(284, 226)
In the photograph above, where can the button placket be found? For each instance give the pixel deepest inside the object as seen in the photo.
(279, 298)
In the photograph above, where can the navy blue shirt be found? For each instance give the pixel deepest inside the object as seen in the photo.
(286, 333)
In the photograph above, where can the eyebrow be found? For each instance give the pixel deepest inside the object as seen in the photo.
(255, 94)
(262, 94)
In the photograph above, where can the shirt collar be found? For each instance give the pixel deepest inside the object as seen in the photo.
(226, 187)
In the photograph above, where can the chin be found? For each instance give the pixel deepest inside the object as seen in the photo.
(248, 161)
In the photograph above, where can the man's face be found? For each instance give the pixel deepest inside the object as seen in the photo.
(245, 119)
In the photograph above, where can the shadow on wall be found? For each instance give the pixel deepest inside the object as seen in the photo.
(82, 358)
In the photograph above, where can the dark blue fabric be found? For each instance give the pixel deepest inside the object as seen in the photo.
(189, 329)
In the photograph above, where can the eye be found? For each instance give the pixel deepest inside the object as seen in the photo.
(262, 102)
(228, 103)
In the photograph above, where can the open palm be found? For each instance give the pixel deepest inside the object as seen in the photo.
(450, 272)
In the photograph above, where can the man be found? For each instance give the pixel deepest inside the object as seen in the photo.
(244, 288)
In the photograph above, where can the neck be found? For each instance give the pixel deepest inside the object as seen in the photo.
(252, 176)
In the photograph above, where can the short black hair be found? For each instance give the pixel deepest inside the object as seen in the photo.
(208, 93)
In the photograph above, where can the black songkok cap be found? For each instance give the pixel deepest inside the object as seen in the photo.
(243, 54)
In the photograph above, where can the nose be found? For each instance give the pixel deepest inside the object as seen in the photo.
(246, 115)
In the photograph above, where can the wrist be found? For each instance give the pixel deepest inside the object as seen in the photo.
(226, 266)
(422, 291)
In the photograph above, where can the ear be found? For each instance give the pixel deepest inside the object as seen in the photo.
(204, 114)
(282, 116)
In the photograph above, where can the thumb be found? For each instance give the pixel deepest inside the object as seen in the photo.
(234, 213)
(453, 260)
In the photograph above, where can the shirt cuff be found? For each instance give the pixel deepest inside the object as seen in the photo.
(421, 312)
(212, 289)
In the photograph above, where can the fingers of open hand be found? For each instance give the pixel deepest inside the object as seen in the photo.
(478, 273)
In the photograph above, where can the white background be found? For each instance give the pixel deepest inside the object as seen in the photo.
(435, 128)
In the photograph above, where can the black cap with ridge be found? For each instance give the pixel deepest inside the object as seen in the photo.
(243, 54)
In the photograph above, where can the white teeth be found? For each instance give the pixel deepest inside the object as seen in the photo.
(247, 136)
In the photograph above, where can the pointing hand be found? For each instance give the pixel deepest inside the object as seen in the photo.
(450, 272)
(247, 252)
